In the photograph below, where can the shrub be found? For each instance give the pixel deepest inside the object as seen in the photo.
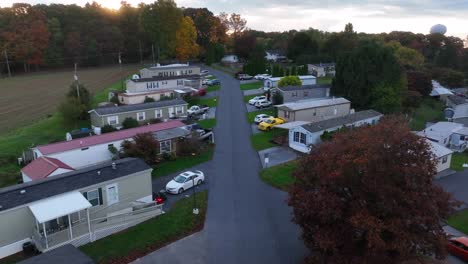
(107, 129)
(155, 120)
(72, 110)
(149, 100)
(115, 99)
(188, 146)
(167, 156)
(143, 146)
(290, 81)
(130, 123)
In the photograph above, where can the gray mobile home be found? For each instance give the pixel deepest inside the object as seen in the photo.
(314, 110)
(296, 93)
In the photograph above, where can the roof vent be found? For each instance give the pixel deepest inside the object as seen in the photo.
(98, 172)
(114, 166)
(23, 191)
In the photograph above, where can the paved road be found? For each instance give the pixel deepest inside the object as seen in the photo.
(247, 221)
(457, 185)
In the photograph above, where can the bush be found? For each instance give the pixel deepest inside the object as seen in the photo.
(290, 81)
(155, 120)
(188, 146)
(167, 156)
(412, 99)
(149, 100)
(143, 146)
(107, 129)
(115, 100)
(72, 110)
(130, 123)
(201, 92)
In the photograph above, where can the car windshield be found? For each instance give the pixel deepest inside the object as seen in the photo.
(179, 179)
(270, 121)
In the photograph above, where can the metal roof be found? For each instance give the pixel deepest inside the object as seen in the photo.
(457, 100)
(341, 121)
(313, 103)
(171, 133)
(112, 110)
(42, 167)
(303, 87)
(438, 150)
(29, 192)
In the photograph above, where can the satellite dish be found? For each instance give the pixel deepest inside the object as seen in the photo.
(135, 77)
(449, 113)
(438, 29)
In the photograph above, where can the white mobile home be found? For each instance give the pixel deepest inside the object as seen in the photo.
(272, 82)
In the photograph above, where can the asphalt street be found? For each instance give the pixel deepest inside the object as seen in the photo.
(247, 221)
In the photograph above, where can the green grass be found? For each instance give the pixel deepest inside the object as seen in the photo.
(261, 140)
(211, 102)
(251, 86)
(460, 221)
(280, 176)
(251, 115)
(430, 110)
(213, 88)
(324, 80)
(181, 163)
(103, 94)
(207, 123)
(152, 234)
(458, 159)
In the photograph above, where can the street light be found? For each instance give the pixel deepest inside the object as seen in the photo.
(195, 209)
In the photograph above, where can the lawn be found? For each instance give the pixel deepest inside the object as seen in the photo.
(211, 102)
(458, 159)
(324, 80)
(280, 176)
(251, 115)
(213, 88)
(262, 140)
(251, 86)
(460, 221)
(153, 234)
(207, 123)
(430, 110)
(181, 163)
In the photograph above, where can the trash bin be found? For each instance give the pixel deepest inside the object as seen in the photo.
(29, 249)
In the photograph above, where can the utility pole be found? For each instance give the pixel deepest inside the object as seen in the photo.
(158, 54)
(7, 63)
(152, 51)
(141, 53)
(120, 66)
(76, 81)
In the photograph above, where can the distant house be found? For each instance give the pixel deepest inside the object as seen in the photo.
(272, 82)
(143, 113)
(322, 69)
(314, 110)
(439, 91)
(230, 59)
(442, 154)
(449, 134)
(295, 93)
(302, 137)
(169, 70)
(77, 207)
(83, 152)
(458, 106)
(275, 56)
(42, 168)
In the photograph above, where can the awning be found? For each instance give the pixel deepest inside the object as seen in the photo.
(58, 206)
(293, 124)
(181, 91)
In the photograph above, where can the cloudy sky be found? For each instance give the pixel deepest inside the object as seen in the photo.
(329, 15)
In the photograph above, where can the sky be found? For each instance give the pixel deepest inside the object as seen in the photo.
(329, 15)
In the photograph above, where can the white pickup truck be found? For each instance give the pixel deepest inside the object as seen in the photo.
(197, 110)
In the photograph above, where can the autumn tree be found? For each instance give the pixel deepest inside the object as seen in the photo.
(186, 40)
(376, 202)
(143, 146)
(234, 23)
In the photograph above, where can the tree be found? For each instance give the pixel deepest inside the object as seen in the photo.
(186, 40)
(289, 81)
(214, 53)
(130, 123)
(301, 44)
(355, 209)
(84, 95)
(234, 23)
(72, 110)
(407, 57)
(244, 44)
(362, 72)
(107, 129)
(143, 146)
(419, 81)
(189, 146)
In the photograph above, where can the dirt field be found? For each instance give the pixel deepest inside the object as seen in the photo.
(25, 99)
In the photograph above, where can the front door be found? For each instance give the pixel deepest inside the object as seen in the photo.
(112, 192)
(171, 112)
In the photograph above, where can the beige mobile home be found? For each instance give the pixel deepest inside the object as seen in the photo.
(314, 110)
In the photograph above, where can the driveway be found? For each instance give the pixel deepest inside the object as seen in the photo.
(247, 221)
(457, 185)
(276, 156)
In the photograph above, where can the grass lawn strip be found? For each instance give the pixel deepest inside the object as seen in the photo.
(324, 80)
(261, 141)
(153, 234)
(181, 163)
(251, 115)
(280, 176)
(211, 102)
(213, 88)
(207, 123)
(459, 221)
(458, 159)
(251, 86)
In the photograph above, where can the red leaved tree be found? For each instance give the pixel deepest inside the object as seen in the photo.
(368, 196)
(143, 146)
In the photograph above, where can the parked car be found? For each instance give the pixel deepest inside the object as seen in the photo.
(256, 99)
(262, 76)
(185, 181)
(243, 76)
(197, 110)
(213, 82)
(205, 82)
(458, 246)
(262, 103)
(269, 123)
(261, 117)
(204, 72)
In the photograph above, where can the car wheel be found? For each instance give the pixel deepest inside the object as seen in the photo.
(199, 182)
(181, 190)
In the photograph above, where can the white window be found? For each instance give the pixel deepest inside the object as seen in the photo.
(158, 113)
(165, 146)
(286, 114)
(94, 197)
(179, 109)
(300, 137)
(444, 159)
(112, 120)
(335, 111)
(112, 194)
(141, 116)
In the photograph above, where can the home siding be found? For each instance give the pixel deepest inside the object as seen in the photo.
(96, 120)
(138, 87)
(15, 225)
(443, 166)
(316, 114)
(300, 94)
(154, 72)
(138, 99)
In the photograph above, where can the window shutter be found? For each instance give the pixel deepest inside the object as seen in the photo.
(100, 196)
(85, 194)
